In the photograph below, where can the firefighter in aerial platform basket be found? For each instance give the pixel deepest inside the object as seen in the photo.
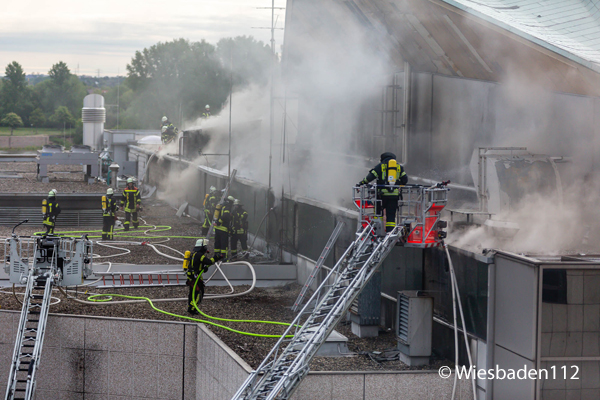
(195, 263)
(109, 207)
(131, 203)
(50, 210)
(210, 202)
(168, 131)
(388, 173)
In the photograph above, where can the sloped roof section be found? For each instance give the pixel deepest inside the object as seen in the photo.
(570, 28)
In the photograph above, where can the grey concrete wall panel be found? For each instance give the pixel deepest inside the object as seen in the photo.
(516, 305)
(513, 388)
(314, 228)
(420, 128)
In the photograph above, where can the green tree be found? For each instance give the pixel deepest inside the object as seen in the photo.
(62, 89)
(12, 120)
(15, 95)
(37, 118)
(62, 116)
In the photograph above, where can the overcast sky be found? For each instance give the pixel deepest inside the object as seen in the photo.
(104, 35)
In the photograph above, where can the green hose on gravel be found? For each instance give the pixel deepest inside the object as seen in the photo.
(109, 297)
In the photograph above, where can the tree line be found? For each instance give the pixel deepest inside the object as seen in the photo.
(176, 78)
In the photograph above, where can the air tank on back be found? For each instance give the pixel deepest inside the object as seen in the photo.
(93, 116)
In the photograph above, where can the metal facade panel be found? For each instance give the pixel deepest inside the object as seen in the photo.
(516, 306)
(512, 388)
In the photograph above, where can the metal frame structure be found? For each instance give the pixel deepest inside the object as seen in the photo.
(287, 363)
(40, 263)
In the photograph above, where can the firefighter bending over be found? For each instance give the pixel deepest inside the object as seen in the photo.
(50, 210)
(196, 263)
(109, 207)
(210, 202)
(387, 172)
(131, 203)
(223, 226)
(239, 228)
(168, 131)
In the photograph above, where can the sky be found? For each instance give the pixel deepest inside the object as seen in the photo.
(100, 38)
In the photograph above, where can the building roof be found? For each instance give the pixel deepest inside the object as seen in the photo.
(570, 28)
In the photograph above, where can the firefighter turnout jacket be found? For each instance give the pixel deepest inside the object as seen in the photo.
(50, 210)
(210, 202)
(131, 199)
(387, 168)
(224, 221)
(109, 206)
(199, 263)
(240, 220)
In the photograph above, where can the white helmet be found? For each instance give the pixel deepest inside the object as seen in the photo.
(129, 180)
(163, 129)
(201, 242)
(109, 191)
(230, 198)
(207, 106)
(237, 202)
(55, 191)
(212, 189)
(51, 194)
(164, 119)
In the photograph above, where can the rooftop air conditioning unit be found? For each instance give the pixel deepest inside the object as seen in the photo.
(414, 320)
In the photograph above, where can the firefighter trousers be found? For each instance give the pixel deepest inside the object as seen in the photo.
(221, 239)
(108, 223)
(390, 205)
(133, 216)
(206, 223)
(242, 238)
(199, 293)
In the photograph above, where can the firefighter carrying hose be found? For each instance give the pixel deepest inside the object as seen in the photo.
(210, 202)
(223, 226)
(195, 263)
(239, 228)
(168, 131)
(50, 210)
(131, 203)
(109, 207)
(387, 172)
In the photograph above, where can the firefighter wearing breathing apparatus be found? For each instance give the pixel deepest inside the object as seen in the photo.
(132, 204)
(168, 131)
(109, 207)
(223, 226)
(210, 202)
(50, 210)
(387, 172)
(195, 263)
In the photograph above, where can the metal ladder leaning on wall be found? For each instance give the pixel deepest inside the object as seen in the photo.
(30, 335)
(287, 363)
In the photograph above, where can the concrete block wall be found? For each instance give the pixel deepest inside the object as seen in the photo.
(24, 141)
(96, 358)
(108, 358)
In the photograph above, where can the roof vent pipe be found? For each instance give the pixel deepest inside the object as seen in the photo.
(93, 116)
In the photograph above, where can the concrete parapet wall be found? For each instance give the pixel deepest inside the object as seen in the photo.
(24, 141)
(97, 358)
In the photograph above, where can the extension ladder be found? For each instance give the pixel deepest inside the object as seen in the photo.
(286, 365)
(30, 337)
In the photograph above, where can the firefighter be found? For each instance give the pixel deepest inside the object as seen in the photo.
(196, 263)
(387, 173)
(168, 131)
(50, 210)
(131, 203)
(239, 228)
(109, 207)
(206, 112)
(210, 202)
(223, 226)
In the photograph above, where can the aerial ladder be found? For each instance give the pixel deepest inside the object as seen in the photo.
(40, 263)
(418, 224)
